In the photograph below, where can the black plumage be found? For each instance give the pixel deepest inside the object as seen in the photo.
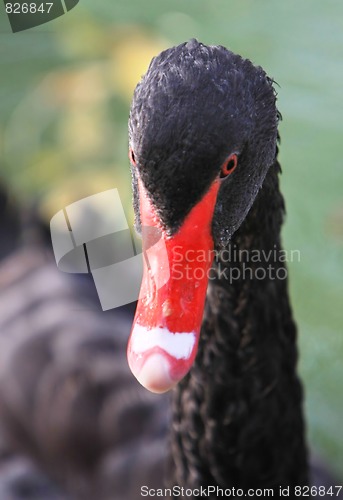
(237, 416)
(245, 425)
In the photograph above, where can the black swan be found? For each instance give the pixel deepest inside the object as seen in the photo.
(74, 423)
(203, 134)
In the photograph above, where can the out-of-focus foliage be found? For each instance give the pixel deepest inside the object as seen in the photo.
(64, 100)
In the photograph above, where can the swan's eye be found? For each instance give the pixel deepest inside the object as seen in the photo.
(228, 166)
(132, 157)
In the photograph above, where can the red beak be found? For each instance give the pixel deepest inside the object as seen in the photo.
(166, 327)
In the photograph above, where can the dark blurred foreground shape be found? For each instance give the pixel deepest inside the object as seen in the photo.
(74, 423)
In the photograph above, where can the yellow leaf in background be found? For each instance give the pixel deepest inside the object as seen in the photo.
(130, 59)
(83, 84)
(84, 39)
(82, 184)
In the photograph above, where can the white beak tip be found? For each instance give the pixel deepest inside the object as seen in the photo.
(155, 374)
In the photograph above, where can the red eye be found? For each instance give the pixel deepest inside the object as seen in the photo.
(228, 166)
(132, 157)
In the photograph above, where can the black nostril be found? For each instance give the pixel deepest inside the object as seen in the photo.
(132, 157)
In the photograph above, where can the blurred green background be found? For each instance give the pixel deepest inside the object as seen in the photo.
(65, 91)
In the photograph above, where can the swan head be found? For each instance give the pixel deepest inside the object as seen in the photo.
(202, 136)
